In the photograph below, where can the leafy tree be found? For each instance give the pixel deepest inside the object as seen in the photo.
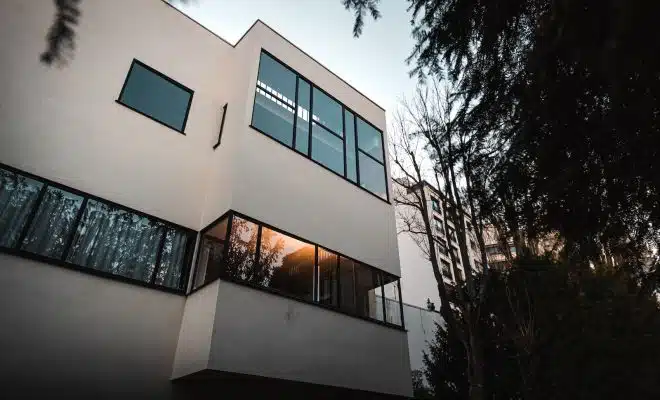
(550, 336)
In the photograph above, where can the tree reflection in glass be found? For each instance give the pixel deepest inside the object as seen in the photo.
(286, 264)
(242, 251)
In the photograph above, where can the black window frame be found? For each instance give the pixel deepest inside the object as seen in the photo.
(61, 261)
(345, 108)
(167, 78)
(230, 214)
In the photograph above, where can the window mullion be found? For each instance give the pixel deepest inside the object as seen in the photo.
(295, 112)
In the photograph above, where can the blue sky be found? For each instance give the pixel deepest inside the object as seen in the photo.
(374, 63)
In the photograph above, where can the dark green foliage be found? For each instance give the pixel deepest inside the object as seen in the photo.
(550, 337)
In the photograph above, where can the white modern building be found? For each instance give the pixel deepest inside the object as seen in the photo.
(180, 215)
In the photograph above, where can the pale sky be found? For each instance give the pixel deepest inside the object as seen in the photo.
(374, 63)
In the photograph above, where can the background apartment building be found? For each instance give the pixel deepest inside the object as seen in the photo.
(180, 214)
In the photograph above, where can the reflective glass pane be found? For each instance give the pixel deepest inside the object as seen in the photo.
(286, 264)
(367, 287)
(327, 112)
(242, 251)
(113, 240)
(53, 223)
(302, 117)
(351, 172)
(274, 106)
(159, 98)
(392, 300)
(372, 176)
(327, 149)
(327, 285)
(370, 140)
(173, 260)
(211, 252)
(347, 284)
(18, 195)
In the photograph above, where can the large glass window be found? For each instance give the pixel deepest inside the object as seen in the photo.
(153, 94)
(351, 167)
(244, 250)
(210, 255)
(113, 240)
(328, 266)
(372, 175)
(18, 195)
(370, 140)
(287, 106)
(303, 117)
(327, 149)
(53, 223)
(392, 299)
(274, 101)
(73, 228)
(287, 264)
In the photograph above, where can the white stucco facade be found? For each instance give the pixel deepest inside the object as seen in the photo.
(64, 124)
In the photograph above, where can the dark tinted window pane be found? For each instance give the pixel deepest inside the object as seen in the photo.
(327, 112)
(286, 264)
(366, 289)
(274, 106)
(302, 117)
(173, 259)
(327, 277)
(347, 284)
(156, 96)
(370, 140)
(18, 195)
(446, 271)
(53, 223)
(211, 250)
(350, 146)
(116, 241)
(327, 149)
(372, 176)
(392, 299)
(242, 251)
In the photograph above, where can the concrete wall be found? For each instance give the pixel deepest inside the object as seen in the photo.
(64, 123)
(69, 332)
(281, 338)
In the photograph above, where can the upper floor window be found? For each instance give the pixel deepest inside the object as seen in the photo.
(75, 229)
(300, 115)
(156, 96)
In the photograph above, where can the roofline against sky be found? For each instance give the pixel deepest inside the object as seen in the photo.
(280, 35)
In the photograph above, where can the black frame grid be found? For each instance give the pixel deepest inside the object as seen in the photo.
(230, 214)
(167, 78)
(344, 108)
(187, 258)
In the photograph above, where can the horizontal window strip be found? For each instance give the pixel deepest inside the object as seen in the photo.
(60, 225)
(240, 249)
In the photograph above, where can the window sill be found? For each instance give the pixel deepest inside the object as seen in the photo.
(298, 299)
(85, 270)
(150, 117)
(319, 164)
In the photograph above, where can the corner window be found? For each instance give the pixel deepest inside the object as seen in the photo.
(156, 96)
(75, 229)
(242, 250)
(301, 116)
